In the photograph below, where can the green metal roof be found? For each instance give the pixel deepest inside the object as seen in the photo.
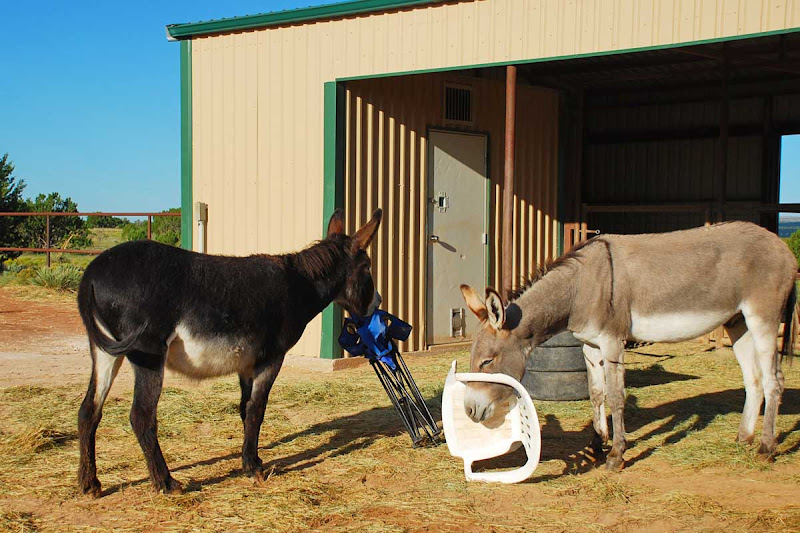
(305, 14)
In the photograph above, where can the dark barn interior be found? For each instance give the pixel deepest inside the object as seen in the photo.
(657, 140)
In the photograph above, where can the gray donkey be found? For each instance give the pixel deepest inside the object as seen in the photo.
(666, 287)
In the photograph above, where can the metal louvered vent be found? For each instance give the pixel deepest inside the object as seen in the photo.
(458, 104)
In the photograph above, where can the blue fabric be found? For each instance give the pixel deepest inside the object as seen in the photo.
(372, 336)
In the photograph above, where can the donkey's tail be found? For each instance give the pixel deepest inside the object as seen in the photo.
(98, 331)
(787, 347)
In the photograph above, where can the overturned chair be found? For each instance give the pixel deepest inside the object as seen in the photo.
(473, 441)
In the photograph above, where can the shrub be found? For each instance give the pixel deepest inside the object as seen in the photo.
(62, 277)
(794, 245)
(135, 231)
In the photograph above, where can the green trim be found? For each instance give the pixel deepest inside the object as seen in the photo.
(291, 16)
(332, 199)
(572, 56)
(186, 145)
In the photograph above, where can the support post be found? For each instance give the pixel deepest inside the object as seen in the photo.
(508, 179)
(149, 227)
(47, 239)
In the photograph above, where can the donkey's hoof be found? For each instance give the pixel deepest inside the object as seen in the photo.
(262, 475)
(744, 439)
(92, 489)
(171, 486)
(614, 463)
(767, 451)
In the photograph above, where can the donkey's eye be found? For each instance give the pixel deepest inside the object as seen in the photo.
(485, 363)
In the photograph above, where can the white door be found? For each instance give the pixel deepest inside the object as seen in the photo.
(457, 238)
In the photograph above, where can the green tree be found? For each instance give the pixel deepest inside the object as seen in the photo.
(134, 231)
(65, 232)
(794, 245)
(95, 221)
(168, 229)
(11, 228)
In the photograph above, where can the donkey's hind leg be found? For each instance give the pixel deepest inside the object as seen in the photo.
(104, 370)
(764, 329)
(743, 348)
(149, 373)
(597, 394)
(614, 357)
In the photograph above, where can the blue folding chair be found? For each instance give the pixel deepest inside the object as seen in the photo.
(373, 337)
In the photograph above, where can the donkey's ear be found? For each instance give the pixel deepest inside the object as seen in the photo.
(495, 309)
(474, 302)
(336, 223)
(364, 236)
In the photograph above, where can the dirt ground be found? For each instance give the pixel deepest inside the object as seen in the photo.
(342, 461)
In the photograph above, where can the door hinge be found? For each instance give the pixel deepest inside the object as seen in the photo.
(484, 238)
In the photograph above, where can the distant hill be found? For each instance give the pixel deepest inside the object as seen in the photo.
(788, 225)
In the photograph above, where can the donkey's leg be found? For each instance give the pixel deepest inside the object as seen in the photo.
(765, 332)
(149, 372)
(743, 348)
(614, 357)
(104, 370)
(597, 393)
(263, 377)
(246, 384)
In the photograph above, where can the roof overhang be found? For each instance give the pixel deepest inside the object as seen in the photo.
(177, 32)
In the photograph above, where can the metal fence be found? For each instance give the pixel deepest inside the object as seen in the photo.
(48, 249)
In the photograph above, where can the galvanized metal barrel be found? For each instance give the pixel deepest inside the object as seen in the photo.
(556, 370)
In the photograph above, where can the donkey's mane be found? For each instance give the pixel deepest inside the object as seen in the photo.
(548, 267)
(317, 260)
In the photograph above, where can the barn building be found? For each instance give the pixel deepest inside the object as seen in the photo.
(494, 133)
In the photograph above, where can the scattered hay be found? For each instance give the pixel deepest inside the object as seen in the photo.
(17, 522)
(339, 459)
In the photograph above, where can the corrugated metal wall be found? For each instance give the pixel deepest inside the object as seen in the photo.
(680, 170)
(257, 96)
(385, 166)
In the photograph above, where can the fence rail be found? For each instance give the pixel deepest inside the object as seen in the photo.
(49, 214)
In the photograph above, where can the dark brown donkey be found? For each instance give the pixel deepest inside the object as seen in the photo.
(665, 287)
(205, 316)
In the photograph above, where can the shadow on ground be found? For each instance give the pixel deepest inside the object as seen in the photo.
(361, 430)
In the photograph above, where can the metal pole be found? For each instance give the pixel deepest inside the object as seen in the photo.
(47, 218)
(508, 179)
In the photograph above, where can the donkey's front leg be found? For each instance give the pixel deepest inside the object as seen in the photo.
(149, 374)
(263, 377)
(595, 369)
(614, 355)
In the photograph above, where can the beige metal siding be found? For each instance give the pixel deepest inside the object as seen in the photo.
(258, 97)
(387, 123)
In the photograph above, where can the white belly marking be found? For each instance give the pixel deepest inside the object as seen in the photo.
(675, 327)
(205, 357)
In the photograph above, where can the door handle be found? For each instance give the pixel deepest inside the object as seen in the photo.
(433, 238)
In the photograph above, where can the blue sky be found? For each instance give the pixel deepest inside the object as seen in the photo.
(89, 104)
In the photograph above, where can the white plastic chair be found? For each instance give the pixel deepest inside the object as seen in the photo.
(472, 441)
